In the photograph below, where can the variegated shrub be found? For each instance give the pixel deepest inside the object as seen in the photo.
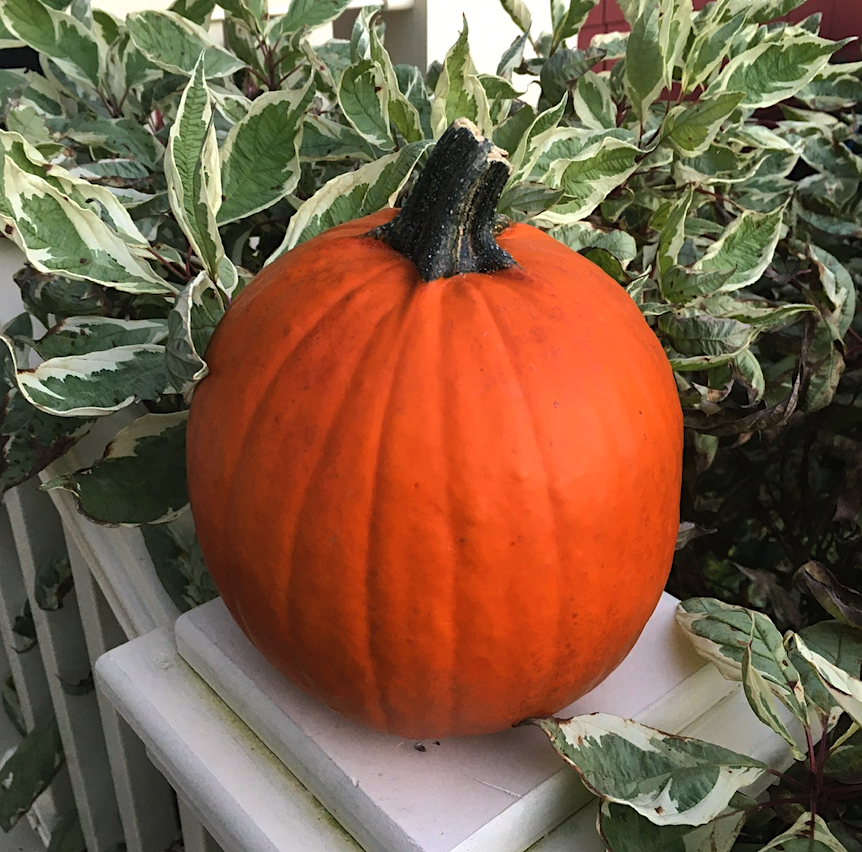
(708, 160)
(150, 172)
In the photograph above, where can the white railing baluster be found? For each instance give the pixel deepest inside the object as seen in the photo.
(144, 798)
(38, 538)
(195, 837)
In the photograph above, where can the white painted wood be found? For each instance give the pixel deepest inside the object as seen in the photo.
(248, 800)
(28, 673)
(238, 788)
(195, 837)
(468, 794)
(39, 538)
(144, 798)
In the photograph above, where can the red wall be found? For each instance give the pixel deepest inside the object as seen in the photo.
(841, 18)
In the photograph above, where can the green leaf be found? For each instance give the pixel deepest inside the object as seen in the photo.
(808, 834)
(59, 236)
(584, 235)
(761, 699)
(845, 760)
(94, 384)
(560, 72)
(349, 196)
(593, 103)
(724, 634)
(709, 49)
(519, 12)
(305, 14)
(672, 236)
(193, 174)
(669, 779)
(58, 35)
(587, 178)
(364, 100)
(175, 44)
(840, 601)
(53, 581)
(12, 705)
(567, 18)
(691, 128)
(623, 829)
(198, 11)
(459, 92)
(772, 72)
(839, 289)
(838, 643)
(30, 439)
(746, 248)
(644, 65)
(96, 199)
(24, 628)
(192, 321)
(674, 30)
(260, 157)
(141, 477)
(80, 335)
(324, 139)
(28, 771)
(67, 835)
(532, 143)
(179, 564)
(119, 136)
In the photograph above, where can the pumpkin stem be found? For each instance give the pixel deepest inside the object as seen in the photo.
(447, 225)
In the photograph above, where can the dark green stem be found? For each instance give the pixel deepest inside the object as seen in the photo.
(447, 225)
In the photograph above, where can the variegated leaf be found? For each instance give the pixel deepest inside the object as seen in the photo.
(325, 139)
(722, 633)
(567, 18)
(669, 779)
(761, 699)
(96, 383)
(839, 289)
(623, 829)
(30, 439)
(260, 157)
(175, 44)
(519, 12)
(533, 142)
(644, 64)
(349, 196)
(709, 49)
(592, 101)
(459, 92)
(80, 335)
(674, 30)
(808, 834)
(305, 14)
(121, 136)
(774, 71)
(845, 689)
(692, 128)
(403, 114)
(363, 98)
(672, 235)
(746, 247)
(141, 478)
(584, 235)
(192, 321)
(588, 178)
(193, 174)
(58, 236)
(88, 196)
(56, 34)
(29, 769)
(8, 39)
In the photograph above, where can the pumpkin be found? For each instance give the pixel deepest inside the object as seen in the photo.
(435, 466)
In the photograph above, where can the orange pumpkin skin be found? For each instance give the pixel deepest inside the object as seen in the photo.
(438, 507)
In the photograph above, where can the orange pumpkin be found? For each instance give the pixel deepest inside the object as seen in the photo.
(439, 506)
